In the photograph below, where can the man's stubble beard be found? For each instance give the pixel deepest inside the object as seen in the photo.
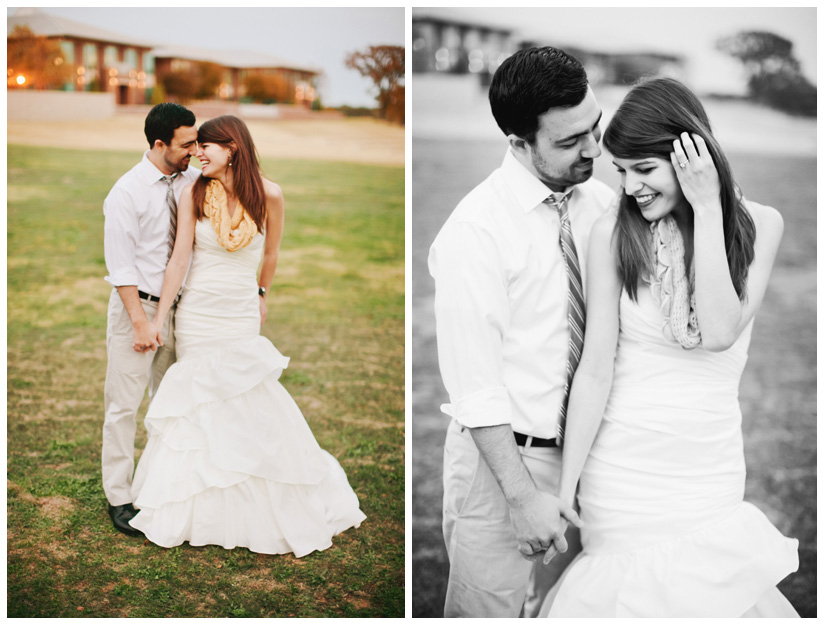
(177, 167)
(570, 178)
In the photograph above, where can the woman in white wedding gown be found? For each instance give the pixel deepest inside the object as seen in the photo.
(654, 439)
(230, 460)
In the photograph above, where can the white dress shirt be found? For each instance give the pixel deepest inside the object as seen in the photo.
(136, 226)
(501, 299)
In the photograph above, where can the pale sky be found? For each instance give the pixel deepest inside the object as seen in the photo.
(690, 32)
(316, 37)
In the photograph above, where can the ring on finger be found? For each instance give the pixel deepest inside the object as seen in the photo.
(683, 164)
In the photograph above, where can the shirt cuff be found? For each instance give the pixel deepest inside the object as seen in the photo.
(488, 407)
(122, 277)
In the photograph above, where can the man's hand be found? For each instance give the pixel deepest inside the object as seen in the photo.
(540, 523)
(145, 336)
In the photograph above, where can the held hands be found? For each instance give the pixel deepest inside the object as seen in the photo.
(540, 523)
(696, 172)
(146, 337)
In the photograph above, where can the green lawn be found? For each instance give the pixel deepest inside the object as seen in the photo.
(336, 308)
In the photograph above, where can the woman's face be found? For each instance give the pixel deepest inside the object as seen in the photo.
(653, 183)
(214, 158)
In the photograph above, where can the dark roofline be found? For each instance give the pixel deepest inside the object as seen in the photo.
(445, 21)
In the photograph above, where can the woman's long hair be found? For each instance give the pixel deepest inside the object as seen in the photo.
(231, 132)
(652, 115)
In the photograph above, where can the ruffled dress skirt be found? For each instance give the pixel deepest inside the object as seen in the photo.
(666, 532)
(230, 459)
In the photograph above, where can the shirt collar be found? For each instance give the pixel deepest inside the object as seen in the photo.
(530, 192)
(149, 173)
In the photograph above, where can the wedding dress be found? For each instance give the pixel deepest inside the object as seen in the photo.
(230, 459)
(666, 531)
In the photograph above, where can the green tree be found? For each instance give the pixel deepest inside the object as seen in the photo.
(38, 60)
(774, 76)
(158, 94)
(384, 65)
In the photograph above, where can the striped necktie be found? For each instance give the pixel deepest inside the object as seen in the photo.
(575, 304)
(173, 211)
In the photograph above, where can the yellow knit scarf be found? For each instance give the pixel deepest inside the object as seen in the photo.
(233, 232)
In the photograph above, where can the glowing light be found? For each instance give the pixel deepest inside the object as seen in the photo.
(113, 81)
(476, 62)
(442, 60)
(21, 79)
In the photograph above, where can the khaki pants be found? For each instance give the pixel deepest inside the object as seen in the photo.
(128, 374)
(488, 575)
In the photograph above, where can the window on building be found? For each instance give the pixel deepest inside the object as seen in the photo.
(130, 58)
(90, 74)
(67, 48)
(110, 56)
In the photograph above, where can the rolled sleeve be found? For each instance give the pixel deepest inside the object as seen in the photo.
(472, 317)
(488, 407)
(120, 239)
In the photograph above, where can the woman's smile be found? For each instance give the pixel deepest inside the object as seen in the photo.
(645, 200)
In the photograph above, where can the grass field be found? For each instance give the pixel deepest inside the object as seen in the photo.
(336, 308)
(778, 390)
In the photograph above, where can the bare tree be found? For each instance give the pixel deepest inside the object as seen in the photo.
(384, 65)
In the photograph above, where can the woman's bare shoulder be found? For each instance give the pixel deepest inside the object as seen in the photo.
(272, 190)
(768, 220)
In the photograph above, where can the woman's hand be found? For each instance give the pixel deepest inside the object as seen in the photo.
(263, 309)
(696, 173)
(158, 324)
(145, 337)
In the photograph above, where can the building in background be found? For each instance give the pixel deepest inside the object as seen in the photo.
(450, 46)
(105, 61)
(458, 47)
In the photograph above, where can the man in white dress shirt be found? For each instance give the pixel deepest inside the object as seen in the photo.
(137, 235)
(502, 328)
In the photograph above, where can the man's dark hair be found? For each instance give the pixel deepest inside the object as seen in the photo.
(163, 119)
(530, 82)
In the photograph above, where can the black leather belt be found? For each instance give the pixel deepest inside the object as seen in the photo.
(521, 440)
(148, 296)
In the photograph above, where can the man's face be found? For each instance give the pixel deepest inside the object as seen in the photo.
(567, 141)
(183, 146)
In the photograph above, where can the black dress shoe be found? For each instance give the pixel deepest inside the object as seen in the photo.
(121, 515)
